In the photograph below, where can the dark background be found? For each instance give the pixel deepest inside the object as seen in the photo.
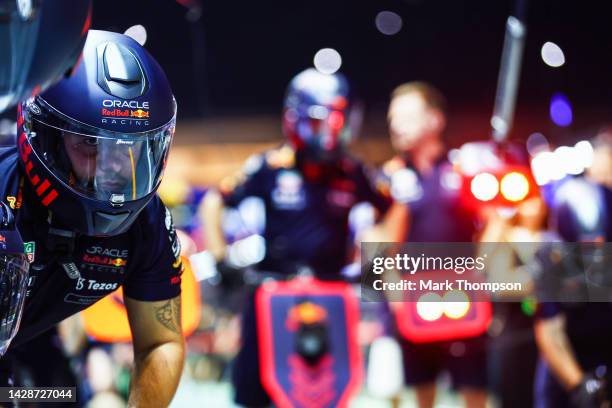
(238, 57)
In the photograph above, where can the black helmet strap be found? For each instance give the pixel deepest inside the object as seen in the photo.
(60, 244)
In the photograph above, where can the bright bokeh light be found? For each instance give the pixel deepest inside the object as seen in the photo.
(454, 156)
(456, 304)
(546, 168)
(138, 33)
(388, 22)
(584, 152)
(514, 186)
(247, 251)
(552, 166)
(561, 110)
(569, 158)
(429, 306)
(484, 186)
(327, 61)
(552, 55)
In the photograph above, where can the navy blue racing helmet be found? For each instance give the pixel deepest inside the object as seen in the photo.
(94, 146)
(14, 268)
(40, 42)
(580, 211)
(316, 113)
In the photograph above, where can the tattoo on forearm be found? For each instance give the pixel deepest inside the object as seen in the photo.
(169, 314)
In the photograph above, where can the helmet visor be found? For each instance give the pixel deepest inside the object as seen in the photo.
(99, 164)
(13, 286)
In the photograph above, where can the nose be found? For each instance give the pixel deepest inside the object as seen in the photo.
(110, 159)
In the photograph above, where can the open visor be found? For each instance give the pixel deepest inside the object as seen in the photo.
(96, 163)
(13, 286)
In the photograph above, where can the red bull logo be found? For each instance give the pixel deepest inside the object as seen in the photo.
(2, 238)
(118, 262)
(139, 113)
(305, 313)
(116, 113)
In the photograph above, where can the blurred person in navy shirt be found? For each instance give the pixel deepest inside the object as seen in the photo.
(308, 187)
(420, 178)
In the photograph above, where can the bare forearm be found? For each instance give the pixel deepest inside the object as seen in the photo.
(557, 352)
(212, 212)
(156, 375)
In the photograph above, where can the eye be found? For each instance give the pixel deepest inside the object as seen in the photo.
(90, 141)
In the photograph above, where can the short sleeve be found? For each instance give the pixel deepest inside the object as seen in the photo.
(247, 183)
(547, 310)
(156, 271)
(546, 285)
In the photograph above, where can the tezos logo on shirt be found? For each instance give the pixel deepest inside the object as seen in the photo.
(289, 193)
(92, 284)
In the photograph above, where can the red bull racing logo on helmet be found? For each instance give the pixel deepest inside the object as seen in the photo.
(125, 112)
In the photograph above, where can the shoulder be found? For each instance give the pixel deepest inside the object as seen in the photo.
(151, 218)
(155, 226)
(392, 166)
(282, 157)
(8, 159)
(8, 169)
(399, 181)
(259, 165)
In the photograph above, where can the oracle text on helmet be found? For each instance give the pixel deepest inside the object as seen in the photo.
(113, 103)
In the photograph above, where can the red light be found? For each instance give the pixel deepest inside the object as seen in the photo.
(514, 186)
(456, 304)
(336, 120)
(484, 186)
(429, 306)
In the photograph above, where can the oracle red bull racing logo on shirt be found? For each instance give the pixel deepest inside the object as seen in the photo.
(105, 259)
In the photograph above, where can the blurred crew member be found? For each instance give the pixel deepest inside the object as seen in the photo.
(421, 178)
(511, 244)
(308, 187)
(41, 42)
(574, 336)
(91, 152)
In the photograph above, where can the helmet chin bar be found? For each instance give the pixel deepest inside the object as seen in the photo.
(104, 223)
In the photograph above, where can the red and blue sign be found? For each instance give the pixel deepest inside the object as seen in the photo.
(290, 380)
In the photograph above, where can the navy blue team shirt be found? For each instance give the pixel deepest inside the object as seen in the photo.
(145, 260)
(437, 213)
(306, 209)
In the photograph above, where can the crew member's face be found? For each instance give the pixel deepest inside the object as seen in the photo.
(413, 121)
(112, 165)
(82, 152)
